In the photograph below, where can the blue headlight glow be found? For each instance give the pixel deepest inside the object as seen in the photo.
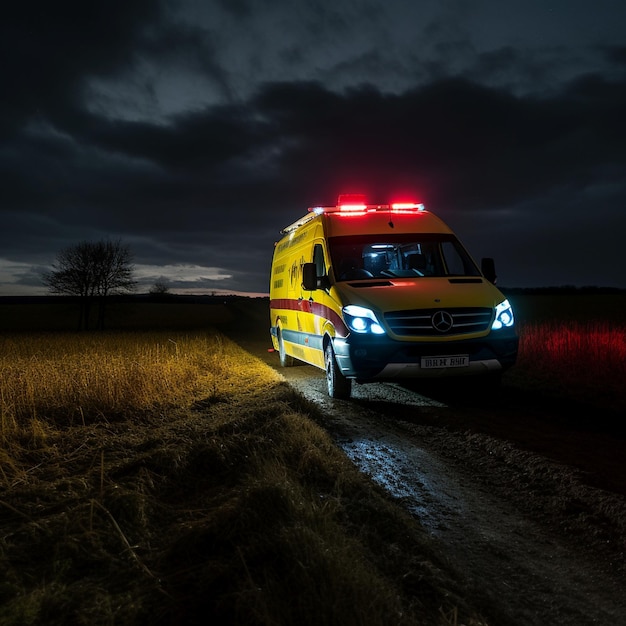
(362, 320)
(504, 316)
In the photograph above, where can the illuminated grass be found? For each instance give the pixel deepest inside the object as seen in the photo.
(575, 358)
(65, 379)
(176, 479)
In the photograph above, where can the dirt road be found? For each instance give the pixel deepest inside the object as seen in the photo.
(525, 498)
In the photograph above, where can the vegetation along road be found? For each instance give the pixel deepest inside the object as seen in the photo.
(522, 492)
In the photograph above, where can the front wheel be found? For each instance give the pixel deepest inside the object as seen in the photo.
(338, 385)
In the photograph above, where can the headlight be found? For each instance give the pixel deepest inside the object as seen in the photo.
(362, 320)
(504, 316)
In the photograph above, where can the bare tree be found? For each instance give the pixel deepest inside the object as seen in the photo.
(161, 287)
(91, 271)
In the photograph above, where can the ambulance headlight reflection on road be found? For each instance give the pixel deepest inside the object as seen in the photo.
(504, 316)
(362, 320)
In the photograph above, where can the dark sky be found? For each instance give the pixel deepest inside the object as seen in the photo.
(193, 131)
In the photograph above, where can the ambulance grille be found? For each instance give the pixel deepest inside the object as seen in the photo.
(438, 322)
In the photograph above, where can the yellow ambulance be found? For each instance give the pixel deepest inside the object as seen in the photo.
(381, 292)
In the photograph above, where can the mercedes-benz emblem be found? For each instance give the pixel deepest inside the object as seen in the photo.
(442, 321)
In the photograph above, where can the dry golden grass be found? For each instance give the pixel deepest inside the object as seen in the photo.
(174, 479)
(59, 380)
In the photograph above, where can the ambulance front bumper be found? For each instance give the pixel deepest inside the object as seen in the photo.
(379, 358)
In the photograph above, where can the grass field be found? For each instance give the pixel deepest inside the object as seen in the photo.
(155, 474)
(573, 346)
(172, 479)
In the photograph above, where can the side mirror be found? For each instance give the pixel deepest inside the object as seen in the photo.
(309, 277)
(488, 268)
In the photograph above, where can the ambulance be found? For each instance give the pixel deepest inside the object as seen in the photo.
(384, 292)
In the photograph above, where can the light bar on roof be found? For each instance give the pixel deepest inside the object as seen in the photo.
(356, 204)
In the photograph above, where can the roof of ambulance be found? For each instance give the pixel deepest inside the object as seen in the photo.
(337, 224)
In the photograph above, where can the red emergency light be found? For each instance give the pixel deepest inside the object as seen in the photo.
(406, 207)
(351, 199)
(351, 203)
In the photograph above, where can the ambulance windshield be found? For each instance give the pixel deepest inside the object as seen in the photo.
(399, 256)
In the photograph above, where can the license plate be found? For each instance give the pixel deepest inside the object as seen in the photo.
(456, 360)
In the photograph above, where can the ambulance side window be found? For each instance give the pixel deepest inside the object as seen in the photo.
(318, 259)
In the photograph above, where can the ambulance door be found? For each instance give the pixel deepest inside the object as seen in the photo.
(294, 320)
(313, 307)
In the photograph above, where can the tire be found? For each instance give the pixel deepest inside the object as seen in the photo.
(285, 359)
(338, 385)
